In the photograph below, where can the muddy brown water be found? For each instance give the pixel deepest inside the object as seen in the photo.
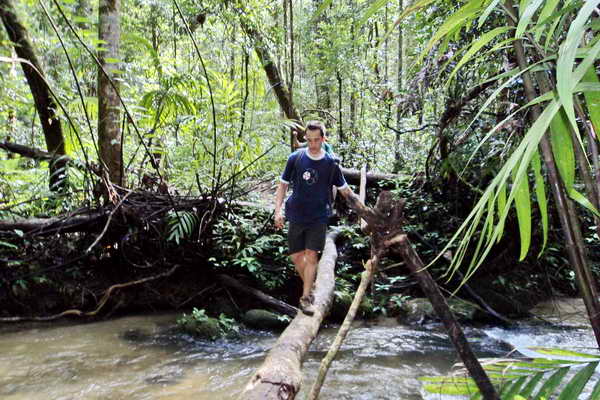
(141, 357)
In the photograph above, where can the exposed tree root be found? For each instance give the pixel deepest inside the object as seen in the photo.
(101, 303)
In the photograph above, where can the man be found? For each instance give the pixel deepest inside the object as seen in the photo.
(312, 172)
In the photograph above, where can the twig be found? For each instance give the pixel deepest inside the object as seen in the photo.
(365, 279)
(107, 222)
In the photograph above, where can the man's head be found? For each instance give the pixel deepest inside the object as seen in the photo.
(315, 136)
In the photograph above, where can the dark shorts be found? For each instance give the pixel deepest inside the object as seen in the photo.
(302, 237)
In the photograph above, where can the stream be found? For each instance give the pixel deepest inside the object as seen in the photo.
(141, 357)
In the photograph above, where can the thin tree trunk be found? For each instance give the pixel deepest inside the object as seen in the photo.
(109, 129)
(44, 103)
(398, 153)
(84, 9)
(292, 42)
(321, 43)
(341, 136)
(365, 279)
(281, 90)
(566, 212)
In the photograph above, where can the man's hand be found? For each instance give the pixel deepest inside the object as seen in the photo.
(279, 220)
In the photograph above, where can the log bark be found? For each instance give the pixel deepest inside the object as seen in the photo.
(352, 176)
(31, 152)
(44, 103)
(43, 226)
(280, 376)
(272, 302)
(41, 155)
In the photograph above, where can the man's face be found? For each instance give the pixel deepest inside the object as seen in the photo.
(314, 139)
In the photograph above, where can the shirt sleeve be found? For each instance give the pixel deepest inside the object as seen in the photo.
(338, 177)
(288, 172)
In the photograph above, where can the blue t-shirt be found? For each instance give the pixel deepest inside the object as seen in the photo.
(310, 199)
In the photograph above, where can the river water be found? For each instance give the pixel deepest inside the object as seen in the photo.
(141, 357)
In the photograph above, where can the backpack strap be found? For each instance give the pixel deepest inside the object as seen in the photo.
(335, 165)
(296, 164)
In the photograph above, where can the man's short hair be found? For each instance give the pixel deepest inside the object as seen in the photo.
(314, 125)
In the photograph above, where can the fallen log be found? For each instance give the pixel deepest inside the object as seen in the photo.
(352, 176)
(51, 225)
(272, 302)
(279, 377)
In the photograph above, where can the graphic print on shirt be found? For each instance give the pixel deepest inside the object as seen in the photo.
(310, 176)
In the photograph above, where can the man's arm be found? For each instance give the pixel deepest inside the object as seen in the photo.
(279, 196)
(351, 197)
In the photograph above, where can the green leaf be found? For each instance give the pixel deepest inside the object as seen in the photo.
(548, 9)
(565, 81)
(376, 6)
(523, 206)
(321, 9)
(562, 148)
(533, 382)
(592, 99)
(409, 10)
(551, 384)
(572, 390)
(514, 388)
(476, 45)
(452, 388)
(456, 21)
(540, 194)
(526, 16)
(487, 12)
(583, 201)
(596, 392)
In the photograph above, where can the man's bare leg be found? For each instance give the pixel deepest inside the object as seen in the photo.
(311, 259)
(299, 264)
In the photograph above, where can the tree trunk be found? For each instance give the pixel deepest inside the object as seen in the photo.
(398, 153)
(321, 44)
(109, 130)
(280, 88)
(280, 376)
(84, 9)
(44, 103)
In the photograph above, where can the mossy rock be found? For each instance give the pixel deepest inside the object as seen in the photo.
(263, 319)
(205, 329)
(420, 310)
(341, 304)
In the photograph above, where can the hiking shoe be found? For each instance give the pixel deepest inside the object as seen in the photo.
(306, 305)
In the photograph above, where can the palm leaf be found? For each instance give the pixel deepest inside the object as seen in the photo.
(526, 16)
(565, 79)
(518, 378)
(592, 99)
(476, 45)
